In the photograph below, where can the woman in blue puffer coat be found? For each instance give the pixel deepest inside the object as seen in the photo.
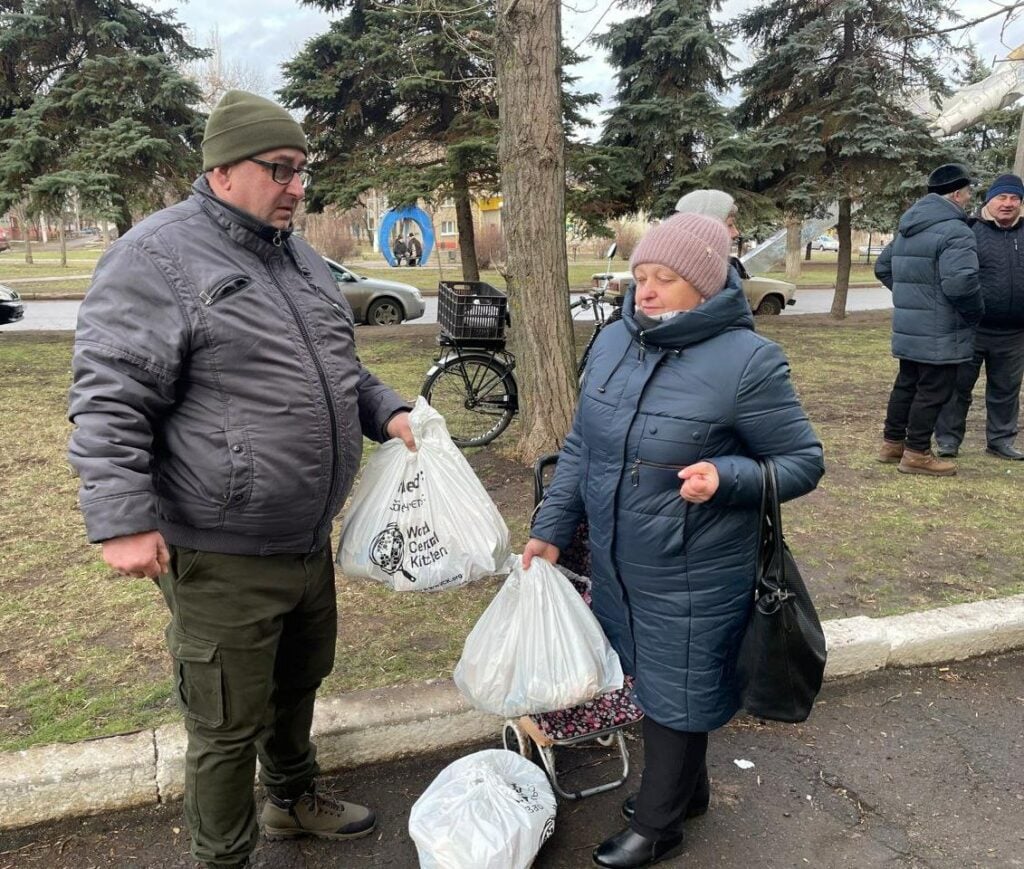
(680, 399)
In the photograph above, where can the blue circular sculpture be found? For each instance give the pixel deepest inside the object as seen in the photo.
(399, 215)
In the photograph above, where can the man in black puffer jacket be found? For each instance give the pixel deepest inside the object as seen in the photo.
(932, 269)
(999, 343)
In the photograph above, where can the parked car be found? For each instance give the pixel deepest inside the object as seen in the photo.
(12, 308)
(377, 302)
(765, 295)
(825, 242)
(5, 241)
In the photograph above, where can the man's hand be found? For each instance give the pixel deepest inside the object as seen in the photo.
(398, 427)
(138, 555)
(539, 548)
(700, 482)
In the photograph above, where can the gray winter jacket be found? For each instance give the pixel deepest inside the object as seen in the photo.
(217, 394)
(932, 269)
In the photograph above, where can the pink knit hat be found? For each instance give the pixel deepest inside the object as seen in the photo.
(695, 247)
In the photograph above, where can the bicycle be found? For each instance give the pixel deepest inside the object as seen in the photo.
(472, 383)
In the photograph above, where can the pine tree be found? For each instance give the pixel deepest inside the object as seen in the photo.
(662, 134)
(826, 94)
(91, 94)
(400, 97)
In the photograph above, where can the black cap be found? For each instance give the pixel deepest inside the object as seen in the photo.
(949, 177)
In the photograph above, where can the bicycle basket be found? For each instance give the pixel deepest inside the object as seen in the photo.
(471, 311)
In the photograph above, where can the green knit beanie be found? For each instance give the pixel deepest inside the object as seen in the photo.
(243, 124)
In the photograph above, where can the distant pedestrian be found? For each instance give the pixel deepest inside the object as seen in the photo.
(415, 250)
(400, 251)
(931, 266)
(999, 344)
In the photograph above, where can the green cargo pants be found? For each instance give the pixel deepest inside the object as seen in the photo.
(251, 638)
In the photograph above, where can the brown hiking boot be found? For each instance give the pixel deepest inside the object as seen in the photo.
(315, 814)
(891, 452)
(925, 463)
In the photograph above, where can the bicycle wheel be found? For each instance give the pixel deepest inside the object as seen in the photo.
(476, 395)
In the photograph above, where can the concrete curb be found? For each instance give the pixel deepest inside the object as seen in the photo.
(119, 772)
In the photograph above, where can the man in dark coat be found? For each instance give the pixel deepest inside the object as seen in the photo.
(415, 250)
(999, 343)
(932, 269)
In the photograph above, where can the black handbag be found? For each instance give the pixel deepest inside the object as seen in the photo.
(782, 656)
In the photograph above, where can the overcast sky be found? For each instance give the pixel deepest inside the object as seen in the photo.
(261, 34)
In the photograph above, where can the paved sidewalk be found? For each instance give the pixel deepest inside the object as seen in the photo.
(146, 768)
(917, 769)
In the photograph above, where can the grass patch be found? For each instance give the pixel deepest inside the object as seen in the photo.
(83, 649)
(822, 270)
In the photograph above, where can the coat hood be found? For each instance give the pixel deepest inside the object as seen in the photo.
(928, 211)
(725, 310)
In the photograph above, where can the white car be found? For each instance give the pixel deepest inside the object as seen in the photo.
(765, 295)
(825, 242)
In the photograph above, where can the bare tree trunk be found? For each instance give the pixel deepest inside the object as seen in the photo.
(843, 228)
(62, 235)
(1018, 162)
(793, 247)
(531, 152)
(464, 225)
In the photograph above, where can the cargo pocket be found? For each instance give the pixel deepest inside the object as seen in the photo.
(198, 678)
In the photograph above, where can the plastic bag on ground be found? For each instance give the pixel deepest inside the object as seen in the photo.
(421, 521)
(536, 648)
(489, 810)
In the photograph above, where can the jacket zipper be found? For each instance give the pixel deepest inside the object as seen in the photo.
(227, 287)
(635, 469)
(327, 393)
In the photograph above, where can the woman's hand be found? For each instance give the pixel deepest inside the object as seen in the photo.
(535, 547)
(700, 482)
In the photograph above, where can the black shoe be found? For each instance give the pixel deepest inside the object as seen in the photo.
(1005, 451)
(628, 850)
(697, 806)
(946, 451)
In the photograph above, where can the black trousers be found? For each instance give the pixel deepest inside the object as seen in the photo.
(1002, 354)
(917, 396)
(674, 762)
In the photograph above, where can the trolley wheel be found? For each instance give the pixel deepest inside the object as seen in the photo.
(476, 395)
(515, 739)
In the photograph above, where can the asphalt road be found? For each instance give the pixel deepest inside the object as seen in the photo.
(916, 769)
(61, 315)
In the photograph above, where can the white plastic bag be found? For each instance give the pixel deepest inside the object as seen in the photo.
(489, 810)
(536, 648)
(421, 521)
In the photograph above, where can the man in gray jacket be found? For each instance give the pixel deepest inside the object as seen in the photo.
(999, 344)
(220, 410)
(932, 269)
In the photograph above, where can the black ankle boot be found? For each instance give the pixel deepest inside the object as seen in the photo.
(629, 850)
(697, 806)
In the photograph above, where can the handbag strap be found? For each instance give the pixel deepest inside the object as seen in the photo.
(771, 565)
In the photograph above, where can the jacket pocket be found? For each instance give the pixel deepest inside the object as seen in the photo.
(225, 287)
(678, 442)
(240, 461)
(198, 677)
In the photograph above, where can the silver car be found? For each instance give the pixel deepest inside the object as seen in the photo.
(376, 302)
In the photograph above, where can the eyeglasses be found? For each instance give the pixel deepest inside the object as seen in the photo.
(282, 173)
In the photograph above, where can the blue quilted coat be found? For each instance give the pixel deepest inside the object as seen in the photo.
(932, 269)
(673, 581)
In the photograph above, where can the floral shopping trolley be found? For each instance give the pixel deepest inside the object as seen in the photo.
(601, 719)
